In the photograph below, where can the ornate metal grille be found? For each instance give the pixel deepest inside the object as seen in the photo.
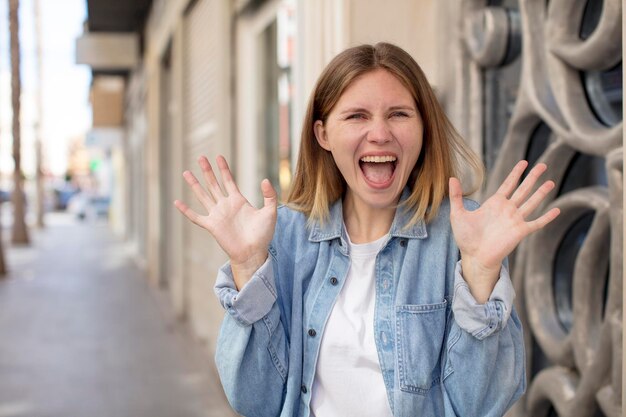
(566, 111)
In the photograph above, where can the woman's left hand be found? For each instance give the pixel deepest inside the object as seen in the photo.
(488, 234)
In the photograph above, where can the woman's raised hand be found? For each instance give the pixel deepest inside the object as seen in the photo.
(487, 235)
(243, 231)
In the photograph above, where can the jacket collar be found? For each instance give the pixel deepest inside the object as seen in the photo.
(333, 227)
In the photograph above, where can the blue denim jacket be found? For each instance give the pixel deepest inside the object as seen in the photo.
(440, 352)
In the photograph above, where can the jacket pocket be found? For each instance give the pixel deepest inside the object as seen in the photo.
(420, 332)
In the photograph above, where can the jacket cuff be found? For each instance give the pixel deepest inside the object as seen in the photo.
(482, 320)
(254, 301)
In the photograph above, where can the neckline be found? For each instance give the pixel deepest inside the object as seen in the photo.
(367, 249)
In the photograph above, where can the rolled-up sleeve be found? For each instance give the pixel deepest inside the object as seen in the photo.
(254, 301)
(482, 320)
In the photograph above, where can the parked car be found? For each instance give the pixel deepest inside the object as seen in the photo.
(85, 206)
(5, 196)
(62, 196)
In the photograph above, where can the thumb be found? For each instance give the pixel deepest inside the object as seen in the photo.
(270, 198)
(456, 195)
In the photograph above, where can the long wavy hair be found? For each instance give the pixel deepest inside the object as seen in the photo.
(318, 183)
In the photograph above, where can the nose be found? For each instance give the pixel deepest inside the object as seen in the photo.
(379, 131)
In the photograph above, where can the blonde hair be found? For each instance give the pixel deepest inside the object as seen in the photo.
(318, 183)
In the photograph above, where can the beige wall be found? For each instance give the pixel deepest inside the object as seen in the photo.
(162, 18)
(326, 27)
(412, 25)
(163, 27)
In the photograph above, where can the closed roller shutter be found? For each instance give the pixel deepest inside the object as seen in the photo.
(206, 126)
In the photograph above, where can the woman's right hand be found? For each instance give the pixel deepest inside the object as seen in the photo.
(243, 231)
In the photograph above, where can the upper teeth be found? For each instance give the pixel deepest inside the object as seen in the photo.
(387, 158)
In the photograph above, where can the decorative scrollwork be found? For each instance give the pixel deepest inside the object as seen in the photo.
(569, 275)
(493, 36)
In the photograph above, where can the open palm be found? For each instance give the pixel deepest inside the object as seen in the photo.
(243, 231)
(490, 233)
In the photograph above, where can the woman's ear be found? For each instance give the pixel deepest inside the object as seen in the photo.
(320, 134)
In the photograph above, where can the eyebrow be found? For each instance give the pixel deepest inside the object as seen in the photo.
(413, 108)
(364, 110)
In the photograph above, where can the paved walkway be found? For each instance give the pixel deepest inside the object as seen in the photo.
(82, 334)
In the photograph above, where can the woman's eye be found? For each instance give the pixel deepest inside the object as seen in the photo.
(356, 116)
(399, 114)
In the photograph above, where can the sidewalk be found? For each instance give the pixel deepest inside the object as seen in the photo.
(82, 334)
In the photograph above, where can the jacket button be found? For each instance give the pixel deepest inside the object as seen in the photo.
(403, 243)
(303, 389)
(334, 281)
(312, 332)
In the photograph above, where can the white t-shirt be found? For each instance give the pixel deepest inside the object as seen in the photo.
(348, 380)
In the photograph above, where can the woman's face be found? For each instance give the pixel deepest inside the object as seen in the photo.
(374, 133)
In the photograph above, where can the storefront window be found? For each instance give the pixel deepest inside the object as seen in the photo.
(274, 153)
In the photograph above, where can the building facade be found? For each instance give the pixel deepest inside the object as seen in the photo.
(519, 79)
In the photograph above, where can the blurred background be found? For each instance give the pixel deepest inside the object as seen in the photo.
(106, 301)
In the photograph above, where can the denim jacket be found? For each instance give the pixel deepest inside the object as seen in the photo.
(441, 353)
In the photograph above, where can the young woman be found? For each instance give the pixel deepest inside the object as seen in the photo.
(377, 290)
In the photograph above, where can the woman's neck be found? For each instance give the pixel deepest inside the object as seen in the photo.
(366, 223)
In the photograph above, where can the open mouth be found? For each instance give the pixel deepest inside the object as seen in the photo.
(378, 170)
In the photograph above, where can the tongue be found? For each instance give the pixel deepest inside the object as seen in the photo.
(377, 172)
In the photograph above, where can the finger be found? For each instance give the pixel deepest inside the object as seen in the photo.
(270, 198)
(227, 176)
(197, 189)
(543, 220)
(456, 196)
(527, 185)
(509, 184)
(538, 196)
(211, 180)
(189, 213)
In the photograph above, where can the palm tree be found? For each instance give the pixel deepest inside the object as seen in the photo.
(39, 124)
(20, 231)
